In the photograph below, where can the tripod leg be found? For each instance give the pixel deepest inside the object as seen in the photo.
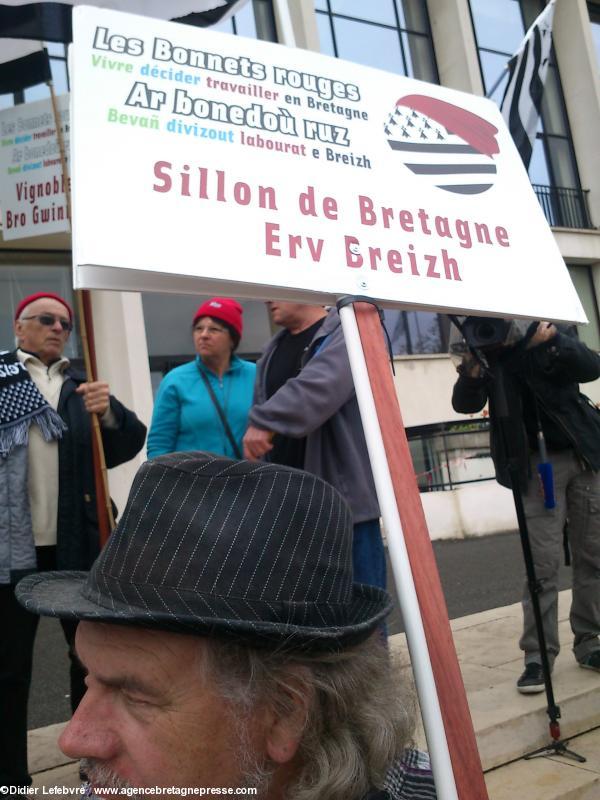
(557, 748)
(513, 457)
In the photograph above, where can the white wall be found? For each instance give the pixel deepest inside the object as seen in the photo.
(424, 386)
(472, 510)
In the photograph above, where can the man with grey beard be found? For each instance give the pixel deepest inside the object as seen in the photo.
(227, 647)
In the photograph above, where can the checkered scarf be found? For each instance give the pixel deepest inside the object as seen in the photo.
(21, 404)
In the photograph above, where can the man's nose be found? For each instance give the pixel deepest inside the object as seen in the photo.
(89, 734)
(56, 325)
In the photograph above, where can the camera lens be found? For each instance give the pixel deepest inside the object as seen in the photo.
(486, 331)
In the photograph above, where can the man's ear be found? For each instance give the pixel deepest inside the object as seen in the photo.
(287, 722)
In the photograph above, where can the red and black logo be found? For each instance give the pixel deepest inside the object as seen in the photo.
(450, 146)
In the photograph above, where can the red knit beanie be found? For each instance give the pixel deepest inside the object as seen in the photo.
(37, 296)
(224, 308)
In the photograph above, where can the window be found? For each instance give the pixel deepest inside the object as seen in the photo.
(582, 280)
(254, 20)
(21, 276)
(594, 12)
(449, 454)
(413, 332)
(391, 34)
(500, 26)
(169, 330)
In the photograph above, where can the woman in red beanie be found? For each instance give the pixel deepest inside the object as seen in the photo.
(204, 405)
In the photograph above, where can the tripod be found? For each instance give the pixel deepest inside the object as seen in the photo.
(498, 394)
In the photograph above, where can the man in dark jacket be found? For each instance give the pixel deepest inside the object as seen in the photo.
(542, 372)
(48, 517)
(305, 415)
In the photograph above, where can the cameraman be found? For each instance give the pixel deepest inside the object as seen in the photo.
(541, 374)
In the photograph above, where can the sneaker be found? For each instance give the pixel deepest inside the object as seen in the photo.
(591, 661)
(532, 679)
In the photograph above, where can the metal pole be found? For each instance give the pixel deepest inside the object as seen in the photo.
(409, 605)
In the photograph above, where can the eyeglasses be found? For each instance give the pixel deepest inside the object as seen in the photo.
(50, 319)
(212, 330)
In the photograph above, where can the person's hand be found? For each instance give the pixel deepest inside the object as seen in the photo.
(470, 367)
(544, 332)
(96, 396)
(257, 442)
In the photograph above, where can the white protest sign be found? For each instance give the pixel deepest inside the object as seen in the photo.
(32, 190)
(207, 162)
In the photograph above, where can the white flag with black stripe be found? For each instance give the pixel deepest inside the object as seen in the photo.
(23, 64)
(528, 67)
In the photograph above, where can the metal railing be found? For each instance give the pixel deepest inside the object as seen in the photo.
(564, 208)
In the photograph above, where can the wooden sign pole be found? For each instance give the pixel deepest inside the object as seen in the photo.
(106, 520)
(446, 717)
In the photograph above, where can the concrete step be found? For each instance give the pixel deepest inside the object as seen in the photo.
(554, 778)
(508, 724)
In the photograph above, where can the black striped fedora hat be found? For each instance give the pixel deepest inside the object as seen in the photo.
(207, 545)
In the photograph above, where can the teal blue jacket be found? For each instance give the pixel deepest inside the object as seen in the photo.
(185, 417)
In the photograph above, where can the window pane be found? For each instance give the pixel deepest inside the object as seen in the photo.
(589, 334)
(380, 11)
(552, 105)
(39, 92)
(368, 44)
(422, 463)
(265, 22)
(244, 21)
(394, 322)
(424, 332)
(419, 57)
(562, 162)
(595, 25)
(413, 15)
(321, 5)
(225, 27)
(469, 457)
(531, 11)
(19, 280)
(59, 76)
(493, 66)
(538, 167)
(55, 49)
(325, 37)
(169, 325)
(458, 455)
(498, 24)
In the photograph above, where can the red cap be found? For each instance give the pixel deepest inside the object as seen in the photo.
(224, 308)
(37, 296)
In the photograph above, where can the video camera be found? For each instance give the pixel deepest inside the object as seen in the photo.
(481, 337)
(485, 333)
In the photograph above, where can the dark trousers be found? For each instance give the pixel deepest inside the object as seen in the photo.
(17, 635)
(368, 554)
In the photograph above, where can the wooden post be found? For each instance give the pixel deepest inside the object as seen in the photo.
(462, 746)
(106, 521)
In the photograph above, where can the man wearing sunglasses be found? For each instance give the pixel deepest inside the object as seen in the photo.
(48, 516)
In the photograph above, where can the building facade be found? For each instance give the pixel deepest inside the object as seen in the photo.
(462, 44)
